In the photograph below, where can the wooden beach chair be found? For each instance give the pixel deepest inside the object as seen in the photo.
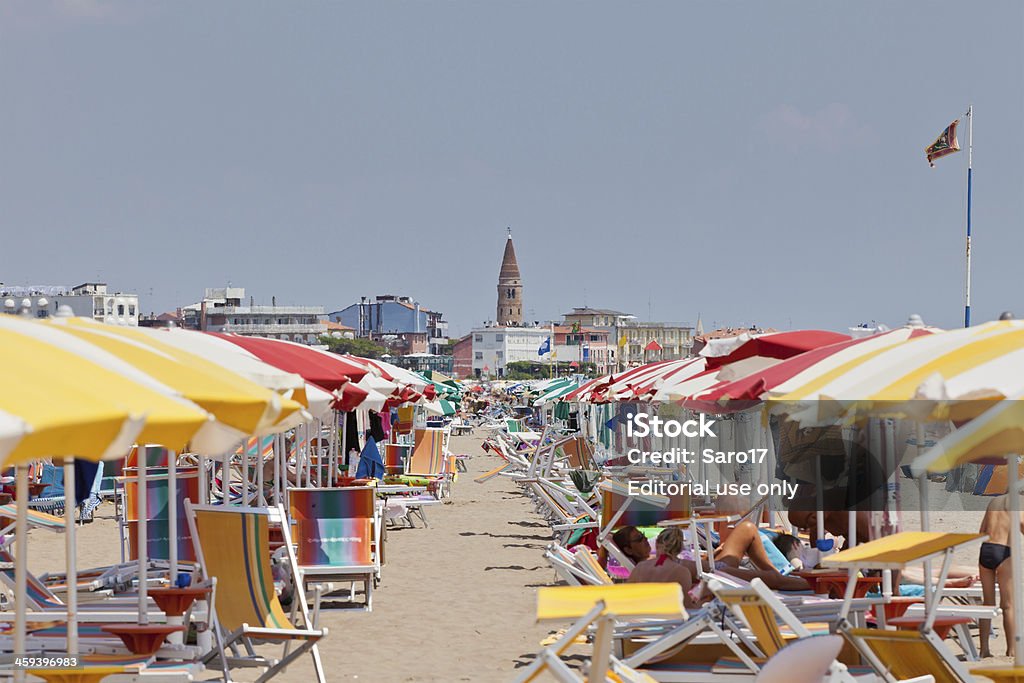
(338, 533)
(232, 547)
(599, 607)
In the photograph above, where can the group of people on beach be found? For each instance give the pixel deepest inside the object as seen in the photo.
(741, 553)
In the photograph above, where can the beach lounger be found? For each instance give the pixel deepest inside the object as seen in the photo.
(901, 655)
(620, 509)
(428, 461)
(232, 547)
(338, 532)
(599, 607)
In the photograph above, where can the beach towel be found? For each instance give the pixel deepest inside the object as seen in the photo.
(370, 463)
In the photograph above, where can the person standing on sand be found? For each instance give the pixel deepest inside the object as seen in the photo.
(994, 565)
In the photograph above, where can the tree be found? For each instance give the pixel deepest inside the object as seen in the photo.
(363, 348)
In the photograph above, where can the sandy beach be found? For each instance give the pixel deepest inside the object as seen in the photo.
(457, 599)
(456, 602)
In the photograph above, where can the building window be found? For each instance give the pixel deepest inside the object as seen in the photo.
(478, 337)
(479, 355)
(131, 309)
(499, 337)
(120, 309)
(500, 354)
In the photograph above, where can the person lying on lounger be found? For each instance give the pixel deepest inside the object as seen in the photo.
(665, 566)
(634, 545)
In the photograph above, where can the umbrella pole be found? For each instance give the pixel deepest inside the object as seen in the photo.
(21, 565)
(225, 478)
(278, 450)
(172, 515)
(1017, 570)
(69, 555)
(140, 480)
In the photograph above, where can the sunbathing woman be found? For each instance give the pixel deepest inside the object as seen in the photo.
(737, 544)
(666, 567)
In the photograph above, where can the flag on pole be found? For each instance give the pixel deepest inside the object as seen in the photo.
(944, 145)
(623, 340)
(545, 347)
(576, 327)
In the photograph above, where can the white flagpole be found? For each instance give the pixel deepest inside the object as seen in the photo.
(970, 153)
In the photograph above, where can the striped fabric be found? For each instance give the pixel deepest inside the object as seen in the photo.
(235, 550)
(428, 455)
(395, 455)
(157, 513)
(334, 526)
(403, 425)
(257, 445)
(641, 512)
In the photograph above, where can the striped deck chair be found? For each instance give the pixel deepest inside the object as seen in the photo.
(232, 547)
(428, 465)
(36, 518)
(395, 456)
(619, 509)
(599, 607)
(157, 513)
(338, 536)
(403, 425)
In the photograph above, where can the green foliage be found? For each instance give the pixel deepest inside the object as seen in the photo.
(355, 347)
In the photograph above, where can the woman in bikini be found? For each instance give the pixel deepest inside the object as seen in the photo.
(994, 565)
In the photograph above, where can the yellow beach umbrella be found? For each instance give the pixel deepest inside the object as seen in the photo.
(240, 406)
(70, 377)
(74, 400)
(921, 377)
(996, 433)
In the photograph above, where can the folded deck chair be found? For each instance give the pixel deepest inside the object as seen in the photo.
(599, 606)
(338, 535)
(232, 547)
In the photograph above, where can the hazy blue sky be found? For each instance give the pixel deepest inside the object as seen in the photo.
(757, 162)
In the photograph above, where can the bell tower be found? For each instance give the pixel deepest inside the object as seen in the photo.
(510, 287)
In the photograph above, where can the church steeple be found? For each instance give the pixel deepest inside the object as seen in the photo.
(510, 287)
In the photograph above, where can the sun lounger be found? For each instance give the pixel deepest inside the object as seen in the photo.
(232, 546)
(901, 655)
(338, 535)
(599, 607)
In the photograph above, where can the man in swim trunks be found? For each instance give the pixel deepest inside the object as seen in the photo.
(994, 565)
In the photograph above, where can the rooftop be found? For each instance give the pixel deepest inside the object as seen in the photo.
(595, 311)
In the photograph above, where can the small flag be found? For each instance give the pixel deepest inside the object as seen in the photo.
(944, 144)
(623, 340)
(545, 347)
(576, 327)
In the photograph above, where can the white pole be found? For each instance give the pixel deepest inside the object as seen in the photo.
(1016, 568)
(970, 160)
(225, 477)
(172, 515)
(21, 566)
(70, 560)
(141, 535)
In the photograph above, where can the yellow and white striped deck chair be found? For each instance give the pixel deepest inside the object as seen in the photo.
(599, 606)
(901, 655)
(233, 547)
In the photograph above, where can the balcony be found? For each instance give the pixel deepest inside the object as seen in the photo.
(265, 310)
(319, 328)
